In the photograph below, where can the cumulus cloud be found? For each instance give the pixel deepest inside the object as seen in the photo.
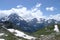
(26, 14)
(56, 17)
(18, 6)
(50, 8)
(38, 5)
(3, 13)
(35, 8)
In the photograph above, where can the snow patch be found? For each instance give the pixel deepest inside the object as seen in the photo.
(56, 28)
(2, 39)
(1, 34)
(21, 34)
(11, 30)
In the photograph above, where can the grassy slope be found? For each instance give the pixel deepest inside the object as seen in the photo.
(47, 31)
(10, 36)
(44, 31)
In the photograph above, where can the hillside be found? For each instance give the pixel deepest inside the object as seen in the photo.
(47, 33)
(13, 34)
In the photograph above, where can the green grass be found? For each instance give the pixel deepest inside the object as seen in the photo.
(57, 37)
(44, 31)
(10, 36)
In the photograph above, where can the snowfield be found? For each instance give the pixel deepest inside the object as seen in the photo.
(56, 28)
(1, 34)
(21, 34)
(2, 39)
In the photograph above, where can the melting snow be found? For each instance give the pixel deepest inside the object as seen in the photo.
(2, 39)
(21, 34)
(56, 28)
(42, 35)
(11, 30)
(1, 34)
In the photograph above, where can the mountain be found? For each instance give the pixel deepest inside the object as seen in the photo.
(29, 26)
(20, 22)
(36, 24)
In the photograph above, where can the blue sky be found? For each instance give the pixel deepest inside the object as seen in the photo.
(48, 7)
(8, 4)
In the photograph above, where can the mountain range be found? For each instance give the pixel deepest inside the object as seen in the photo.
(28, 25)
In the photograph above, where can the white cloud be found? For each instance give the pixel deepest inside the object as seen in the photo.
(35, 8)
(56, 17)
(18, 6)
(24, 12)
(50, 8)
(38, 5)
(29, 14)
